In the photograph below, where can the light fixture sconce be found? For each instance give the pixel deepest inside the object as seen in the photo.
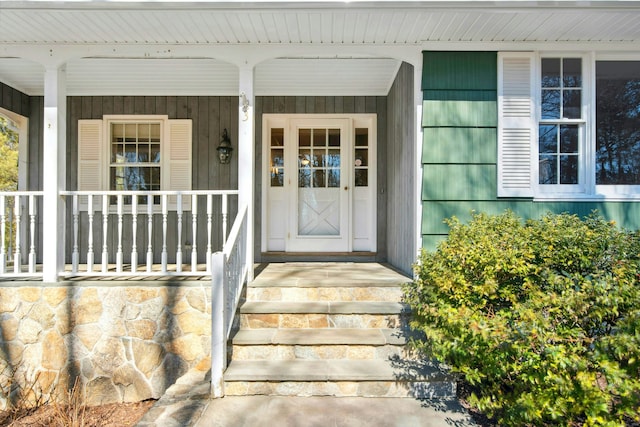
(225, 148)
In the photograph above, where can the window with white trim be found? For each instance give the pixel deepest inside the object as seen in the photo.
(554, 142)
(134, 153)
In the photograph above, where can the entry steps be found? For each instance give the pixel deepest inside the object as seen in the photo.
(329, 329)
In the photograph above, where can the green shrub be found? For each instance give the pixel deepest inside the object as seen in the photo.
(541, 318)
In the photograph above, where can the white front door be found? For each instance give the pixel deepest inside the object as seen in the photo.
(319, 185)
(319, 207)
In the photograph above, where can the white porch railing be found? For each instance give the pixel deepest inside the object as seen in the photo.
(18, 235)
(127, 214)
(229, 273)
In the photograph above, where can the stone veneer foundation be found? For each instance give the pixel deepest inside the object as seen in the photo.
(124, 343)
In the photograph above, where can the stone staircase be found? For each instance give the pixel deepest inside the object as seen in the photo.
(328, 329)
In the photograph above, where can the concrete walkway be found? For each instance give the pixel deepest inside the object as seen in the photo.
(280, 411)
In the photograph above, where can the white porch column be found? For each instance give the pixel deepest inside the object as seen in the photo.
(54, 172)
(417, 90)
(246, 157)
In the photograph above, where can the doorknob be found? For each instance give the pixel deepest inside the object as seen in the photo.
(346, 188)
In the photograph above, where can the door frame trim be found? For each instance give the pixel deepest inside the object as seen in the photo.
(282, 120)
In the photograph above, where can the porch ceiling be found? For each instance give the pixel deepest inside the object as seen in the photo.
(324, 24)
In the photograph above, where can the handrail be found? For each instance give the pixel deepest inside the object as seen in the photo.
(228, 275)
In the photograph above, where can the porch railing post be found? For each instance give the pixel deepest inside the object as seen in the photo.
(194, 233)
(75, 256)
(17, 258)
(134, 233)
(218, 324)
(179, 245)
(90, 237)
(54, 172)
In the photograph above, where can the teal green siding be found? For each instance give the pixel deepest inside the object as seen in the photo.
(460, 71)
(459, 182)
(464, 145)
(459, 152)
(625, 214)
(459, 113)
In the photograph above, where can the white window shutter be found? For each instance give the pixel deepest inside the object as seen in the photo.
(177, 168)
(91, 161)
(516, 124)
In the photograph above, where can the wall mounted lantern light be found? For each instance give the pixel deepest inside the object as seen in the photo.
(225, 148)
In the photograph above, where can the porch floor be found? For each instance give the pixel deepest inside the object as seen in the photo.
(291, 274)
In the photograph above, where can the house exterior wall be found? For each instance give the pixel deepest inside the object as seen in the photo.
(400, 168)
(459, 152)
(124, 343)
(209, 115)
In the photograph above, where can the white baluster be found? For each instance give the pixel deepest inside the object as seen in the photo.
(105, 226)
(194, 232)
(209, 230)
(150, 232)
(224, 219)
(90, 238)
(75, 256)
(32, 233)
(179, 246)
(16, 213)
(134, 224)
(165, 213)
(3, 235)
(119, 251)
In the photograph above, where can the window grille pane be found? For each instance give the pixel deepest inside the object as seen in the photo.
(572, 72)
(569, 139)
(550, 72)
(362, 137)
(548, 169)
(334, 137)
(362, 177)
(277, 137)
(319, 179)
(569, 169)
(319, 137)
(572, 104)
(548, 139)
(550, 104)
(333, 176)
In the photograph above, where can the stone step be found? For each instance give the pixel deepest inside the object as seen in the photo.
(391, 293)
(310, 344)
(321, 314)
(319, 320)
(341, 378)
(323, 307)
(314, 336)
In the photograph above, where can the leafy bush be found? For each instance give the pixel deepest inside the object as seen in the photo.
(540, 317)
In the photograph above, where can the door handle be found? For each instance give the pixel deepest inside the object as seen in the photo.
(346, 188)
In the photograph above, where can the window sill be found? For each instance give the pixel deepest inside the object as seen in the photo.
(586, 198)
